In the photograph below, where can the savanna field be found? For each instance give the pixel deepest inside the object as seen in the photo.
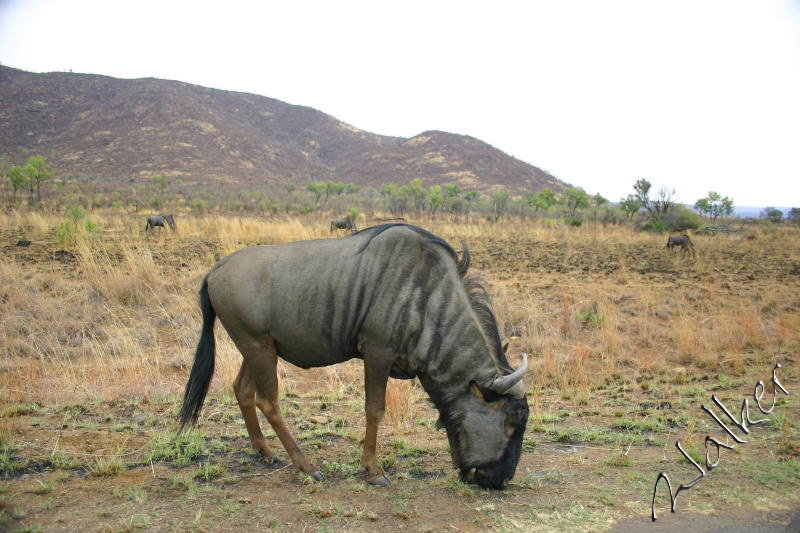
(626, 340)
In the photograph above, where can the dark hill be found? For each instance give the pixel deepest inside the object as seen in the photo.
(115, 129)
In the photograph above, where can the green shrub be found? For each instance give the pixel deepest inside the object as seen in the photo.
(72, 230)
(199, 205)
(681, 219)
(657, 225)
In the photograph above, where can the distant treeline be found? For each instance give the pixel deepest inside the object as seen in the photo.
(573, 205)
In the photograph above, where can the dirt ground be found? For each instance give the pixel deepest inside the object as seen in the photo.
(599, 432)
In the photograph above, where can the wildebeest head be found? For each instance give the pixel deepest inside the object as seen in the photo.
(485, 424)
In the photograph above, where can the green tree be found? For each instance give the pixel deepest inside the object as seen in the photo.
(435, 198)
(714, 205)
(162, 181)
(630, 205)
(772, 214)
(599, 200)
(500, 199)
(317, 188)
(396, 197)
(451, 190)
(642, 192)
(38, 171)
(544, 199)
(658, 207)
(472, 196)
(417, 192)
(18, 179)
(793, 214)
(5, 164)
(575, 198)
(330, 188)
(290, 187)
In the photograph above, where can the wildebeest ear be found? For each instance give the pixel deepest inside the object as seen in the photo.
(505, 347)
(475, 389)
(485, 395)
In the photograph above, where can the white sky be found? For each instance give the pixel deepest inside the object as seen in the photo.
(699, 95)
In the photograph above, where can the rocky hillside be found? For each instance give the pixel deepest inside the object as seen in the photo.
(117, 129)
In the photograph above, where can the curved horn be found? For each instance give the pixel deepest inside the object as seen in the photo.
(503, 384)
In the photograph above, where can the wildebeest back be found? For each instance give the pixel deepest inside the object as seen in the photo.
(314, 298)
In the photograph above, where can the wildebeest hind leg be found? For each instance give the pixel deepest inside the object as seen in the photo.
(245, 390)
(264, 371)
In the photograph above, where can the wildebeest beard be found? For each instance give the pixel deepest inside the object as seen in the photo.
(496, 473)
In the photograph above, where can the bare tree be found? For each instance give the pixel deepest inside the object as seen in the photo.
(663, 202)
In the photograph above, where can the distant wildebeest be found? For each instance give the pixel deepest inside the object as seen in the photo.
(160, 220)
(395, 296)
(344, 223)
(681, 240)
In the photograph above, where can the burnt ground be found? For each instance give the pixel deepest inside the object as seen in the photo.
(588, 463)
(117, 466)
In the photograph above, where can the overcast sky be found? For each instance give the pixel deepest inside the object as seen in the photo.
(698, 95)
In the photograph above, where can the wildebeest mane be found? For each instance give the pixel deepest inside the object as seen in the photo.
(473, 285)
(482, 307)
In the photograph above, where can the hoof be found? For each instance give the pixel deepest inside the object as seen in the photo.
(318, 476)
(381, 481)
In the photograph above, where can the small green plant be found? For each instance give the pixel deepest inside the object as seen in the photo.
(230, 507)
(40, 487)
(187, 484)
(619, 460)
(61, 459)
(9, 463)
(332, 468)
(179, 449)
(209, 471)
(106, 466)
(388, 461)
(589, 319)
(461, 488)
(137, 494)
(529, 443)
(20, 409)
(72, 229)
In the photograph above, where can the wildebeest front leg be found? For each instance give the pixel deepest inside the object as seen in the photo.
(376, 376)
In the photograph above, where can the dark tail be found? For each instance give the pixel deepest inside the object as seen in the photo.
(203, 367)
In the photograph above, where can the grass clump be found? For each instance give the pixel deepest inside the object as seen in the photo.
(106, 466)
(619, 460)
(20, 409)
(10, 463)
(209, 471)
(179, 449)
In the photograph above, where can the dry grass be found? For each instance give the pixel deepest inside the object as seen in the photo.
(121, 320)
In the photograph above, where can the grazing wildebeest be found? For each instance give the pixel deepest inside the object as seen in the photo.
(395, 296)
(344, 223)
(160, 220)
(681, 240)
